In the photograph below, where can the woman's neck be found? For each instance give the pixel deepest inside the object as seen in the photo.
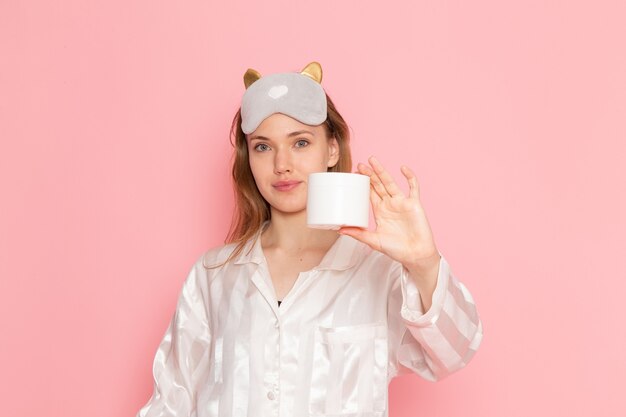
(290, 232)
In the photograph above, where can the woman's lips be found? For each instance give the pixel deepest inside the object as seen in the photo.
(286, 185)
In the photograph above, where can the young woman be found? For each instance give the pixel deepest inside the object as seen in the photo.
(286, 320)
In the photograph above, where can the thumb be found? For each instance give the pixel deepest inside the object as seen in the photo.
(362, 235)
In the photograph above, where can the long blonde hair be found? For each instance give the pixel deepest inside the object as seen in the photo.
(251, 208)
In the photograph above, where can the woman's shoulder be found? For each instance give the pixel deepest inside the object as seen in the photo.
(217, 255)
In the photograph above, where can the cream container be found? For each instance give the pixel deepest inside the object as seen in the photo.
(336, 199)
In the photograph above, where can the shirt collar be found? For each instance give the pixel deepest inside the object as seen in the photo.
(252, 251)
(342, 255)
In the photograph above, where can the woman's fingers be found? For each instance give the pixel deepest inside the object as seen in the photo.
(382, 182)
(412, 180)
(375, 182)
(364, 169)
(386, 179)
(374, 197)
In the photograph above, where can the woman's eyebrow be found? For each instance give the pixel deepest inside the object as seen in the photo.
(296, 133)
(299, 132)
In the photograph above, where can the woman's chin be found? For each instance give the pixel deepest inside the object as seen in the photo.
(286, 210)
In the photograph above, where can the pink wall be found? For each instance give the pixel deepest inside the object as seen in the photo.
(114, 120)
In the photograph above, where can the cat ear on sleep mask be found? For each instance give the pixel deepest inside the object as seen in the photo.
(296, 94)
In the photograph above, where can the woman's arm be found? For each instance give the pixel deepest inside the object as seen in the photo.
(182, 357)
(434, 325)
(435, 341)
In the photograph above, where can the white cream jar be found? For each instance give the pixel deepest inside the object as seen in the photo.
(336, 199)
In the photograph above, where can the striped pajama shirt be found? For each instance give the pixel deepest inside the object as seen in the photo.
(345, 329)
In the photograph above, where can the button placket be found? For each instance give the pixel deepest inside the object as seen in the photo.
(273, 393)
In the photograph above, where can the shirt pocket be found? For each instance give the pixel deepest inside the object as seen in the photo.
(349, 375)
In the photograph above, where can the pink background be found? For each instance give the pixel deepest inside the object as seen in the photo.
(114, 178)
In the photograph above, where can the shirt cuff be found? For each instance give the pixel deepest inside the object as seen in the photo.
(412, 311)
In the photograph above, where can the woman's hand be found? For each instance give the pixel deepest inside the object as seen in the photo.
(402, 230)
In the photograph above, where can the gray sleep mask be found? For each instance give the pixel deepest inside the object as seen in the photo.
(295, 94)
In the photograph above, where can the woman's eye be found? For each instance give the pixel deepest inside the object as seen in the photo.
(302, 143)
(262, 147)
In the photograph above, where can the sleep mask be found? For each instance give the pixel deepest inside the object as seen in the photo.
(295, 94)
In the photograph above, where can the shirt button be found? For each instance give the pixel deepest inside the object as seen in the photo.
(271, 395)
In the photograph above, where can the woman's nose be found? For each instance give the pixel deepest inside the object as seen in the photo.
(282, 161)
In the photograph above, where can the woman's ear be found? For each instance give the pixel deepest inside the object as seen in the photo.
(333, 152)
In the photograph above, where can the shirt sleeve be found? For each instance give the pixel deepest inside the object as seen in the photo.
(182, 357)
(442, 340)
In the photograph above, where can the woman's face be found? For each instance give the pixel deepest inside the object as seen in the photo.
(283, 152)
